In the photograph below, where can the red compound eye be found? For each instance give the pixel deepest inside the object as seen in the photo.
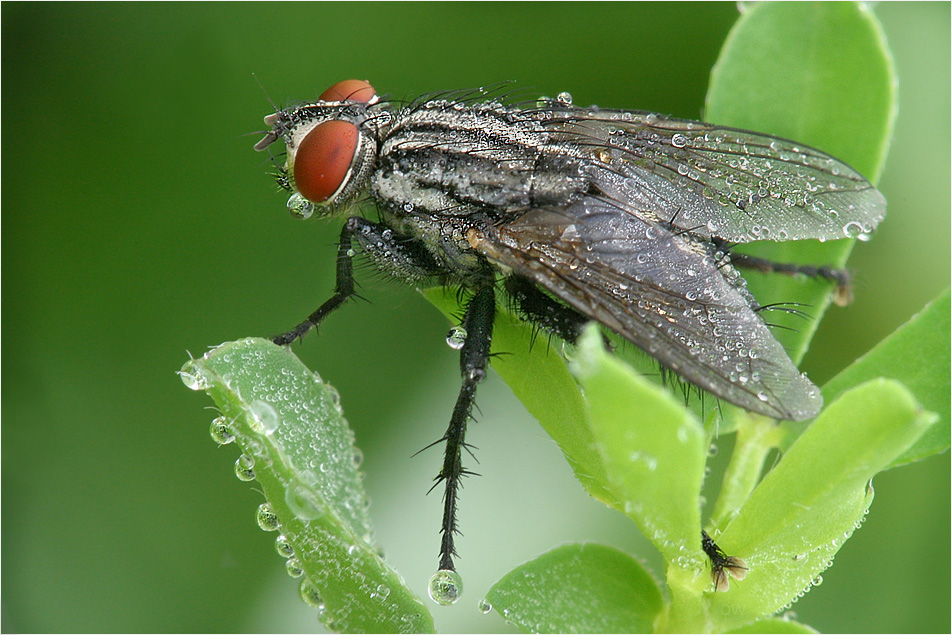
(324, 158)
(351, 90)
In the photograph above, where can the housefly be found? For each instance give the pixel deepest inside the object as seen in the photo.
(577, 214)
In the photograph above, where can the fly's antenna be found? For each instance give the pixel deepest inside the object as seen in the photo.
(265, 93)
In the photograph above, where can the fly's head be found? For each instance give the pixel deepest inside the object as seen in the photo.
(331, 144)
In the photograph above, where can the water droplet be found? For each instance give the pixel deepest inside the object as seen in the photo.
(304, 503)
(382, 592)
(357, 458)
(283, 546)
(244, 468)
(446, 587)
(221, 432)
(712, 450)
(456, 337)
(484, 606)
(679, 140)
(310, 594)
(266, 517)
(853, 230)
(194, 378)
(263, 418)
(293, 565)
(564, 98)
(300, 207)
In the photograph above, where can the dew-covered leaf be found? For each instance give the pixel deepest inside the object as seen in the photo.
(579, 588)
(917, 354)
(803, 511)
(819, 74)
(652, 448)
(773, 625)
(295, 443)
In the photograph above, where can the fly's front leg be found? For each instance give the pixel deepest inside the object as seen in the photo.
(473, 359)
(401, 258)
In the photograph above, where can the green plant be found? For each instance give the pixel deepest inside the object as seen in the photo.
(817, 73)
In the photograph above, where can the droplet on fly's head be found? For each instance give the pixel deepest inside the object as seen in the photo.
(300, 207)
(456, 337)
(446, 587)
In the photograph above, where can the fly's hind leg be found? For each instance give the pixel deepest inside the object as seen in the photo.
(547, 313)
(841, 277)
(397, 256)
(543, 311)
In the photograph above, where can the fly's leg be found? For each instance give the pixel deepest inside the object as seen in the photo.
(548, 314)
(473, 359)
(401, 258)
(545, 312)
(842, 278)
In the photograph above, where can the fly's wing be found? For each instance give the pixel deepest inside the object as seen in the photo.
(659, 290)
(738, 185)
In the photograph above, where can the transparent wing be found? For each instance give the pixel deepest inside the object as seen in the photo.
(659, 290)
(738, 185)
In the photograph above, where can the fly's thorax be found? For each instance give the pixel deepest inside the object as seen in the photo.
(459, 159)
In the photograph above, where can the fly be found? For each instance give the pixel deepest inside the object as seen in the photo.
(577, 214)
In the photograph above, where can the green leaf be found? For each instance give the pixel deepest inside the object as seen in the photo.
(917, 354)
(538, 377)
(821, 74)
(776, 625)
(297, 445)
(579, 588)
(795, 521)
(652, 448)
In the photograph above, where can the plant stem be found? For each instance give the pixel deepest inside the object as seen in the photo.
(756, 437)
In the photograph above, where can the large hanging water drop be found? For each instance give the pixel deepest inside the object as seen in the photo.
(446, 587)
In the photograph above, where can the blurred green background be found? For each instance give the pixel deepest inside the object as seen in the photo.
(140, 225)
